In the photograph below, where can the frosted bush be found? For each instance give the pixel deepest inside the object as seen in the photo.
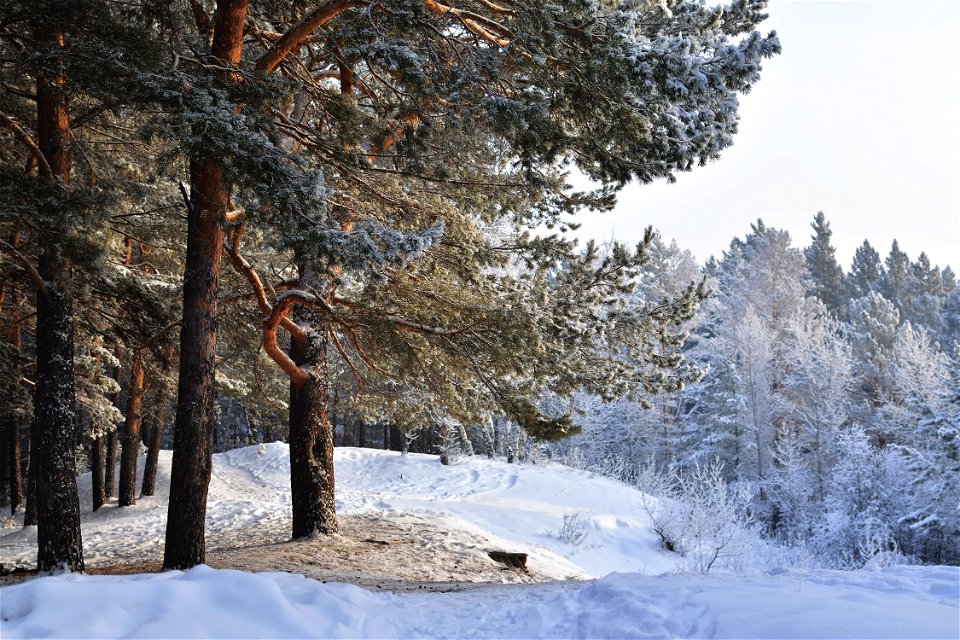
(573, 530)
(700, 516)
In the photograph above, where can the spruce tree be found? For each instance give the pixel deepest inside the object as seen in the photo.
(866, 272)
(825, 273)
(896, 279)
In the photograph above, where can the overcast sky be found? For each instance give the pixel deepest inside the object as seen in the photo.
(858, 117)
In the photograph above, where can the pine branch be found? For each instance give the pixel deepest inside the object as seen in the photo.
(28, 142)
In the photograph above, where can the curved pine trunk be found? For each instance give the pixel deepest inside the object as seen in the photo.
(131, 437)
(311, 444)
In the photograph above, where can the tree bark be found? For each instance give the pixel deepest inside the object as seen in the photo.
(58, 504)
(12, 472)
(112, 438)
(110, 463)
(96, 469)
(311, 443)
(131, 436)
(30, 508)
(194, 422)
(155, 436)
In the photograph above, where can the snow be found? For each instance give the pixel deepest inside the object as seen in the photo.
(900, 602)
(508, 507)
(512, 506)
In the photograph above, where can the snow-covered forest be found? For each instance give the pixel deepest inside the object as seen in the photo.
(830, 398)
(246, 244)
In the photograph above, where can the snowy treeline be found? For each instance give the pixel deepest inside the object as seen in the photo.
(831, 398)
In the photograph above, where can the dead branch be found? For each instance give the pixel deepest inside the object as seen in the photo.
(26, 265)
(28, 142)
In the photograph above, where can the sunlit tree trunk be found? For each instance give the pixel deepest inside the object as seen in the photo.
(58, 505)
(194, 422)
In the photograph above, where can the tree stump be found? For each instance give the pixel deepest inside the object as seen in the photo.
(515, 560)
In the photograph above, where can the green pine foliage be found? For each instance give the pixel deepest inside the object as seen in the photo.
(825, 272)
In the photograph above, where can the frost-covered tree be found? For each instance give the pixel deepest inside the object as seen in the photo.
(932, 456)
(699, 515)
(859, 518)
(817, 390)
(951, 309)
(924, 307)
(873, 333)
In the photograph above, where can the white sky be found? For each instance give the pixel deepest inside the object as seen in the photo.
(858, 117)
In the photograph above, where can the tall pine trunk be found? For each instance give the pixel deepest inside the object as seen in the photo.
(58, 505)
(155, 437)
(194, 422)
(311, 443)
(131, 436)
(57, 502)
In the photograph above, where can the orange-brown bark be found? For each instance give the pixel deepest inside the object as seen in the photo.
(130, 442)
(294, 38)
(193, 432)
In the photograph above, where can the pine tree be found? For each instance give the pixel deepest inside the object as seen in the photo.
(896, 281)
(340, 173)
(951, 309)
(925, 296)
(866, 272)
(826, 275)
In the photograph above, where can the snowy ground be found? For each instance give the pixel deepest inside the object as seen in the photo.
(438, 522)
(511, 507)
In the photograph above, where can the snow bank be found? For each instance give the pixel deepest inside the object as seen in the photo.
(901, 602)
(510, 506)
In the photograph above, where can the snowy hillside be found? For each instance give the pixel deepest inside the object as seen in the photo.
(512, 506)
(470, 507)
